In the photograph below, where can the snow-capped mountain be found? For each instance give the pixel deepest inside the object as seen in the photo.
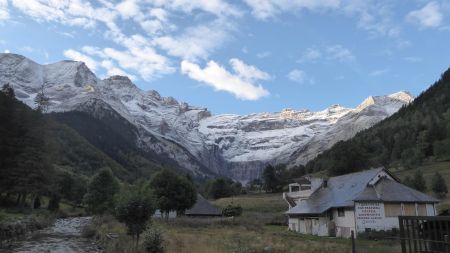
(230, 145)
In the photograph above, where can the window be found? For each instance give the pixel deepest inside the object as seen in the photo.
(305, 187)
(392, 209)
(409, 209)
(295, 188)
(421, 210)
(341, 212)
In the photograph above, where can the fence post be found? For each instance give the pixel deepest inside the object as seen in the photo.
(402, 234)
(446, 246)
(353, 241)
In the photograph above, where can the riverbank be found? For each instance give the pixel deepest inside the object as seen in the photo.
(64, 235)
(18, 222)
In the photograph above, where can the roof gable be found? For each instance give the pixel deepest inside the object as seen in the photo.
(202, 207)
(340, 192)
(391, 191)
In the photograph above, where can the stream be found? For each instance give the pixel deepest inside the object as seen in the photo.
(64, 236)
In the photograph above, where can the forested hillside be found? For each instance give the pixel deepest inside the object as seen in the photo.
(417, 133)
(35, 149)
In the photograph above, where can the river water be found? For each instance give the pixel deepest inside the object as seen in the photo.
(64, 236)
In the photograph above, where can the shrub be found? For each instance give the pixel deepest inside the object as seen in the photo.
(153, 241)
(232, 211)
(88, 231)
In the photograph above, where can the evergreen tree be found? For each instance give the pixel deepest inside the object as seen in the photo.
(100, 192)
(270, 179)
(439, 186)
(418, 181)
(41, 100)
(408, 181)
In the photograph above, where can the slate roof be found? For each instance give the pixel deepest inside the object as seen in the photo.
(203, 208)
(342, 191)
(391, 191)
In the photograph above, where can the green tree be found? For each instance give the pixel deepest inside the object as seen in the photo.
(232, 211)
(135, 207)
(418, 181)
(439, 186)
(172, 192)
(219, 188)
(100, 192)
(153, 241)
(408, 181)
(270, 179)
(41, 100)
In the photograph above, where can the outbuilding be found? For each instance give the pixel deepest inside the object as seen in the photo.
(359, 202)
(202, 208)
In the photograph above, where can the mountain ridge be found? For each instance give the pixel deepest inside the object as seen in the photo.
(237, 146)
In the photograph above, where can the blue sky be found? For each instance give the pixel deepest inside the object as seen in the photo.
(242, 56)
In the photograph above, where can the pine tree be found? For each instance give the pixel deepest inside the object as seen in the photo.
(41, 100)
(418, 182)
(438, 185)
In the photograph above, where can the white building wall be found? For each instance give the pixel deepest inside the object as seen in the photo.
(313, 226)
(294, 224)
(345, 224)
(371, 215)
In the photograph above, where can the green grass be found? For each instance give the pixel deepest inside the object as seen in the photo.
(428, 171)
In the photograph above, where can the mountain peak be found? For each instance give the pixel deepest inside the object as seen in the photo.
(403, 96)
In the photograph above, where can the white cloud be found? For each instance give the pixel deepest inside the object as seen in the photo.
(374, 16)
(378, 72)
(216, 7)
(194, 43)
(297, 75)
(156, 38)
(141, 59)
(263, 54)
(340, 53)
(128, 9)
(413, 59)
(220, 79)
(248, 72)
(7, 51)
(77, 56)
(264, 9)
(311, 54)
(76, 12)
(112, 70)
(429, 16)
(4, 14)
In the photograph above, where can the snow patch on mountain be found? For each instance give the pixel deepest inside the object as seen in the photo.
(238, 146)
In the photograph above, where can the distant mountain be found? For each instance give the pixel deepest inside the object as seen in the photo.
(120, 119)
(416, 133)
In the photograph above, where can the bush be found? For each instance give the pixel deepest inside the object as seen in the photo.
(88, 231)
(232, 211)
(153, 241)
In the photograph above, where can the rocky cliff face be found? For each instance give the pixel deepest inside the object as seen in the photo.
(231, 145)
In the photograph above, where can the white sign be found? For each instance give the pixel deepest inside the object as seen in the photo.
(369, 212)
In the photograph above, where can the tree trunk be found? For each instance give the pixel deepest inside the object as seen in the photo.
(24, 199)
(18, 199)
(137, 241)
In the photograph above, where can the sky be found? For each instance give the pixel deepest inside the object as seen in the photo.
(242, 56)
